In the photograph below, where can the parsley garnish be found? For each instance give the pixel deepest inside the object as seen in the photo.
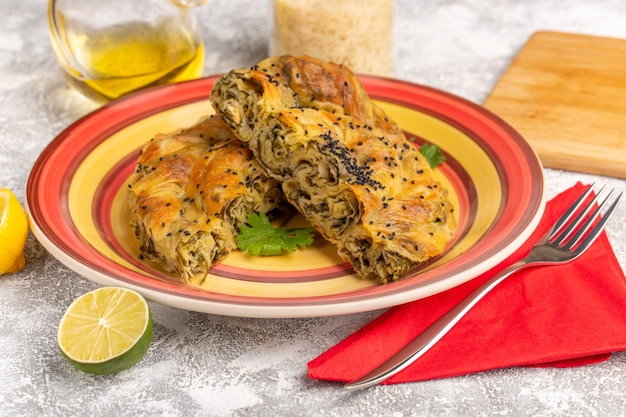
(260, 238)
(433, 154)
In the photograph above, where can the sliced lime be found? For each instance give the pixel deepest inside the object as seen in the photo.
(106, 330)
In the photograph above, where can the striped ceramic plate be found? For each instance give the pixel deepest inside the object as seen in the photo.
(77, 205)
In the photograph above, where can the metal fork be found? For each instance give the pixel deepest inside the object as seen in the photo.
(568, 238)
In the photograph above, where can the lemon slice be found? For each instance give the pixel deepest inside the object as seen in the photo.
(106, 330)
(13, 233)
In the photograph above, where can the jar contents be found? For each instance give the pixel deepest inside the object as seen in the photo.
(357, 33)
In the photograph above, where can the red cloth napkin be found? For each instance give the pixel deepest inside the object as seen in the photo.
(565, 315)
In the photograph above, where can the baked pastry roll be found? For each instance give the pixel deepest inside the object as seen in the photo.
(190, 194)
(343, 163)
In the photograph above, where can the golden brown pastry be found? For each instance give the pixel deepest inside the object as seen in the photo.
(343, 163)
(190, 194)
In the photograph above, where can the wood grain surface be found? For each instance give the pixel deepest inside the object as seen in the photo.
(566, 94)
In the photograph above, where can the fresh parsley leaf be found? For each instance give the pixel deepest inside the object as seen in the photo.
(433, 155)
(260, 238)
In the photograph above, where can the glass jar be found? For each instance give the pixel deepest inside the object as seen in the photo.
(357, 33)
(108, 49)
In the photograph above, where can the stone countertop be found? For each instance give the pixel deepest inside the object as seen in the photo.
(210, 365)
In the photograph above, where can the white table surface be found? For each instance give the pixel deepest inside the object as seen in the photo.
(206, 365)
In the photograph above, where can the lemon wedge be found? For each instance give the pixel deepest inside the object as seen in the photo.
(106, 331)
(13, 233)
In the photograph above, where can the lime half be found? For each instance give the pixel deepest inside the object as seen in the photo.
(106, 330)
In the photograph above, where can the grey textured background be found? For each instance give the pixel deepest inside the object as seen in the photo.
(209, 365)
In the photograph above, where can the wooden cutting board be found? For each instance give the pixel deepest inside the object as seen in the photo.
(566, 94)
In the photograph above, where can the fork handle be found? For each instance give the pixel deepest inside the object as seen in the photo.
(429, 337)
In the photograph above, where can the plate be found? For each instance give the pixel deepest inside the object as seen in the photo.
(76, 201)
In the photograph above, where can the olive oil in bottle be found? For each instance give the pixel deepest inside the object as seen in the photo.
(117, 60)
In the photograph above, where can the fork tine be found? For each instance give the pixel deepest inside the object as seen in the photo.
(565, 217)
(575, 224)
(597, 229)
(582, 230)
